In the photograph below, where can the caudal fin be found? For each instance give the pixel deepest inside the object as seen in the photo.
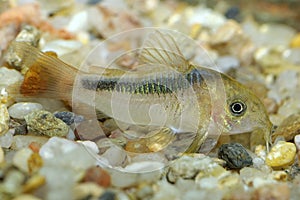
(47, 77)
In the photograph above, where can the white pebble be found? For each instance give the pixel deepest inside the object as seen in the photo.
(9, 76)
(62, 152)
(79, 22)
(144, 166)
(64, 163)
(62, 47)
(21, 109)
(91, 145)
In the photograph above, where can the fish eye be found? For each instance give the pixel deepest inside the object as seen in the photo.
(237, 108)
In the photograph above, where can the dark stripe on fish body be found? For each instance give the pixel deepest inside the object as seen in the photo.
(154, 85)
(194, 77)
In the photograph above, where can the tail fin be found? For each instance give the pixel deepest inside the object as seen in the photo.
(47, 77)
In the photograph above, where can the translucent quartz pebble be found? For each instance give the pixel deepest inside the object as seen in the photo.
(64, 162)
(115, 156)
(7, 139)
(19, 110)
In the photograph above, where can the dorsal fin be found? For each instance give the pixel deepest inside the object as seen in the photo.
(162, 48)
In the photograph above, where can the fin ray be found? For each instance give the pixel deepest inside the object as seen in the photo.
(162, 48)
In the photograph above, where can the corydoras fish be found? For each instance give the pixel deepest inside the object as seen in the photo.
(166, 90)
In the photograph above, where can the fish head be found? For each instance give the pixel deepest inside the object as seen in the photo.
(243, 111)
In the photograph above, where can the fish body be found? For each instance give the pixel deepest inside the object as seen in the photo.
(165, 91)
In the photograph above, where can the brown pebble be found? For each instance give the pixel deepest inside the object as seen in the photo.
(97, 175)
(289, 128)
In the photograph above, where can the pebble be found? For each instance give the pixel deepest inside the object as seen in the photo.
(9, 76)
(233, 13)
(59, 154)
(273, 191)
(4, 119)
(289, 128)
(281, 155)
(34, 163)
(294, 170)
(44, 123)
(295, 42)
(62, 47)
(22, 141)
(108, 195)
(231, 39)
(292, 55)
(270, 34)
(65, 152)
(21, 109)
(6, 140)
(134, 174)
(297, 141)
(1, 155)
(20, 159)
(97, 175)
(30, 35)
(115, 156)
(87, 189)
(21, 129)
(144, 191)
(65, 116)
(144, 166)
(187, 167)
(235, 155)
(33, 183)
(26, 197)
(12, 182)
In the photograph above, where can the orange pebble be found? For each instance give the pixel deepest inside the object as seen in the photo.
(35, 147)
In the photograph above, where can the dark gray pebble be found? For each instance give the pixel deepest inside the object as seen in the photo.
(108, 195)
(65, 116)
(235, 155)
